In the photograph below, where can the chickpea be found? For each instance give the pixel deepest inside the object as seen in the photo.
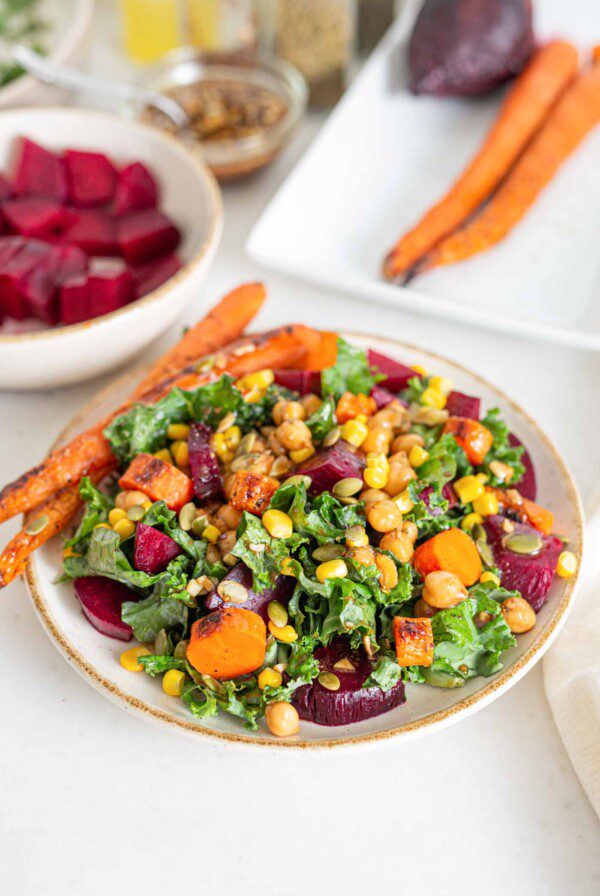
(132, 499)
(311, 403)
(398, 544)
(383, 418)
(409, 529)
(423, 610)
(372, 495)
(227, 541)
(399, 457)
(398, 479)
(213, 554)
(443, 589)
(407, 441)
(228, 484)
(363, 556)
(378, 440)
(294, 410)
(227, 517)
(518, 614)
(294, 434)
(481, 619)
(282, 719)
(384, 516)
(389, 573)
(277, 412)
(275, 445)
(261, 465)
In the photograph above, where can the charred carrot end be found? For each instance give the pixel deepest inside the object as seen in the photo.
(539, 517)
(350, 405)
(323, 353)
(252, 491)
(414, 641)
(451, 551)
(227, 643)
(473, 437)
(159, 480)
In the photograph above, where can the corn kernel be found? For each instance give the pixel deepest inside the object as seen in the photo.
(211, 534)
(418, 368)
(172, 683)
(375, 477)
(115, 515)
(443, 384)
(487, 505)
(286, 567)
(332, 569)
(468, 489)
(129, 658)
(489, 577)
(471, 519)
(301, 454)
(277, 523)
(417, 456)
(356, 537)
(253, 396)
(124, 528)
(404, 502)
(102, 526)
(178, 432)
(432, 398)
(220, 445)
(146, 505)
(233, 437)
(269, 678)
(361, 418)
(180, 453)
(261, 379)
(164, 454)
(378, 459)
(354, 432)
(483, 477)
(285, 633)
(567, 565)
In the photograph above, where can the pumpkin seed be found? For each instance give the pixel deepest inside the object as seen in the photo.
(344, 665)
(345, 488)
(180, 651)
(38, 525)
(328, 552)
(136, 513)
(230, 559)
(523, 543)
(227, 421)
(232, 592)
(298, 479)
(277, 613)
(478, 533)
(161, 643)
(212, 683)
(366, 640)
(244, 461)
(427, 416)
(329, 681)
(348, 501)
(332, 437)
(485, 552)
(199, 524)
(246, 443)
(280, 466)
(355, 536)
(187, 515)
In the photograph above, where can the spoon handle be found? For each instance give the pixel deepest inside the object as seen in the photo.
(71, 79)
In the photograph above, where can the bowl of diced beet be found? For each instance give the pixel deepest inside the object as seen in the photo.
(107, 229)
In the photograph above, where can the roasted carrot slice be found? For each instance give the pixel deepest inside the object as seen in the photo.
(453, 551)
(159, 480)
(535, 91)
(473, 437)
(575, 115)
(227, 643)
(537, 516)
(414, 641)
(350, 405)
(252, 491)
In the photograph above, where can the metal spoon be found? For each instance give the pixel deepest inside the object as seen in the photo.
(71, 79)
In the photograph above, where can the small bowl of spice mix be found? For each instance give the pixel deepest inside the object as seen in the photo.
(241, 108)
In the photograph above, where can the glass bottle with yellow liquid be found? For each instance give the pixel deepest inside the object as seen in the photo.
(151, 28)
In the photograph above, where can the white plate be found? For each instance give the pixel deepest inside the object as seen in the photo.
(96, 657)
(385, 156)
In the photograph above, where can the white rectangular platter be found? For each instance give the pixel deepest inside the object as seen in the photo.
(384, 156)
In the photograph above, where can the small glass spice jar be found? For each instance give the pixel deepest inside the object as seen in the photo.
(317, 37)
(222, 25)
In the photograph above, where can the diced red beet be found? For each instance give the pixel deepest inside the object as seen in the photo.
(6, 190)
(528, 484)
(9, 246)
(136, 190)
(34, 216)
(383, 396)
(302, 381)
(40, 287)
(351, 702)
(447, 492)
(94, 232)
(101, 600)
(13, 275)
(152, 274)
(203, 463)
(329, 465)
(153, 550)
(146, 234)
(73, 300)
(109, 291)
(460, 405)
(91, 176)
(531, 575)
(397, 374)
(257, 601)
(40, 173)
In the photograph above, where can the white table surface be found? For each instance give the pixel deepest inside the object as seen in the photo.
(95, 801)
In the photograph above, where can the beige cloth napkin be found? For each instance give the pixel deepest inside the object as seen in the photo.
(572, 670)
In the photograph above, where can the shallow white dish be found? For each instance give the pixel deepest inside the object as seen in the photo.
(56, 356)
(385, 156)
(427, 709)
(66, 42)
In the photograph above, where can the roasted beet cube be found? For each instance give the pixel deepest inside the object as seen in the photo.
(152, 274)
(153, 550)
(136, 190)
(13, 276)
(146, 234)
(258, 601)
(40, 173)
(329, 465)
(204, 465)
(302, 381)
(460, 405)
(101, 601)
(91, 176)
(397, 374)
(6, 190)
(40, 288)
(109, 291)
(94, 232)
(34, 216)
(73, 300)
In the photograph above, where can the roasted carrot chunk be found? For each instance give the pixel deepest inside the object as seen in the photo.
(350, 405)
(252, 491)
(159, 480)
(227, 643)
(452, 551)
(414, 641)
(473, 437)
(537, 516)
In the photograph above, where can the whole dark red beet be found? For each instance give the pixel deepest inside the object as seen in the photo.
(528, 484)
(351, 703)
(461, 47)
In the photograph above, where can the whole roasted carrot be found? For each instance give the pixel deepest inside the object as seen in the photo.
(575, 115)
(535, 91)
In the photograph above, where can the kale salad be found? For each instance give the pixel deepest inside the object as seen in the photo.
(311, 545)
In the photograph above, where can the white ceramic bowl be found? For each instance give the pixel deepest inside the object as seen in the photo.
(60, 355)
(427, 709)
(70, 23)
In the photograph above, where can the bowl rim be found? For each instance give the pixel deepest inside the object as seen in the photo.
(433, 721)
(77, 31)
(212, 235)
